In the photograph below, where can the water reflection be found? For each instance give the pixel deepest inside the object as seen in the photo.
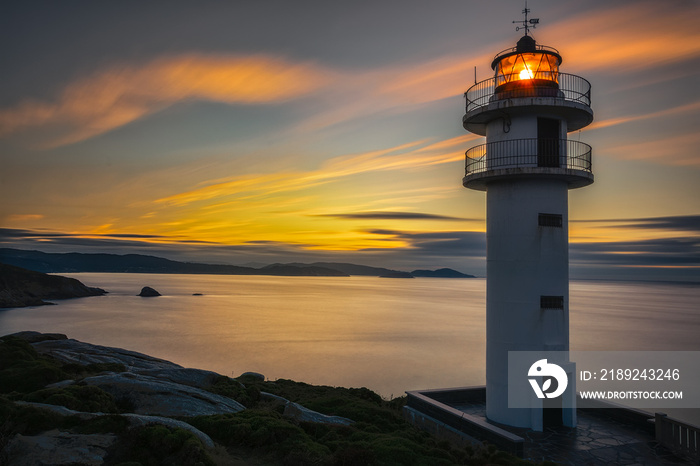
(390, 335)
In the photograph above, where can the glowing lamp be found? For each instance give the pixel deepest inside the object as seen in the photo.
(526, 73)
(527, 70)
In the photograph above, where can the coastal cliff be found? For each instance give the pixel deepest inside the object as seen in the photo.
(21, 287)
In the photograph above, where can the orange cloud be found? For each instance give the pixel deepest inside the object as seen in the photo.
(407, 156)
(24, 217)
(439, 79)
(119, 95)
(614, 38)
(674, 111)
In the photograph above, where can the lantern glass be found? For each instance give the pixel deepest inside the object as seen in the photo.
(523, 67)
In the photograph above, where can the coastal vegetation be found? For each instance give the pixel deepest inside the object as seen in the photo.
(262, 433)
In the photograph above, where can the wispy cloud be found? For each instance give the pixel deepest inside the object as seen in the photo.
(689, 223)
(407, 156)
(660, 252)
(463, 250)
(121, 94)
(382, 215)
(613, 39)
(23, 217)
(666, 113)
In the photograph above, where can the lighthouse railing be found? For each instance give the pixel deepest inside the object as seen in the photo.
(572, 88)
(530, 153)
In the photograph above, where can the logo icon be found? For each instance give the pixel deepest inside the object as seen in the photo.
(554, 382)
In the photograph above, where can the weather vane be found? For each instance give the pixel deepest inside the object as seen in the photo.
(527, 23)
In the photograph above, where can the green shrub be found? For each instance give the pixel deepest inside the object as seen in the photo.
(262, 429)
(25, 420)
(157, 445)
(76, 397)
(22, 369)
(226, 386)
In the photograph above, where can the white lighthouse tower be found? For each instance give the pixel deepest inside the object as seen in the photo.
(526, 168)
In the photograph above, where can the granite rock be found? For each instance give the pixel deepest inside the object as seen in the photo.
(161, 397)
(78, 352)
(135, 420)
(301, 414)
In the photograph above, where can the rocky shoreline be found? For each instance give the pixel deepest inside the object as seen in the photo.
(155, 390)
(63, 401)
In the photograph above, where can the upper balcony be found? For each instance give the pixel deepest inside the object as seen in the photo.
(563, 93)
(533, 158)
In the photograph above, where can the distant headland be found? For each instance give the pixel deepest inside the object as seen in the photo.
(24, 280)
(21, 287)
(136, 263)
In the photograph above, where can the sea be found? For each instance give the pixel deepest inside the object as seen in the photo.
(387, 334)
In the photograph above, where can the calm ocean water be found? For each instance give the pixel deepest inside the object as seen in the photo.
(390, 335)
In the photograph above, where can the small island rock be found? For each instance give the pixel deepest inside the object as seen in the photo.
(147, 292)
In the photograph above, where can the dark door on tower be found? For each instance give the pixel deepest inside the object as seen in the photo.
(547, 142)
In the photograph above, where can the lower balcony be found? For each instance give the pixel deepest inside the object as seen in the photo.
(558, 158)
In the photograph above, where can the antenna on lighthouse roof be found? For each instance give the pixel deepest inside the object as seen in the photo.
(527, 23)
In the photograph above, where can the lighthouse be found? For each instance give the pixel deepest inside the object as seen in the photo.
(526, 167)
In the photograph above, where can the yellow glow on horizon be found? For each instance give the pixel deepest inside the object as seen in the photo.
(619, 231)
(687, 267)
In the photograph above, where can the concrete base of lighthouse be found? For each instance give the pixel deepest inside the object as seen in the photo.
(527, 291)
(539, 413)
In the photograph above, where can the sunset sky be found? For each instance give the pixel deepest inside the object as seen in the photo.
(279, 131)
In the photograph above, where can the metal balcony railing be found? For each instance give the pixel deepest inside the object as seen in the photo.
(571, 88)
(529, 153)
(678, 436)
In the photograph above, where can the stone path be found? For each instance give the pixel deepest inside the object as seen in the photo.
(597, 440)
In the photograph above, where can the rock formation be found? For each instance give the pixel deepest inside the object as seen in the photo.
(162, 397)
(21, 287)
(77, 352)
(147, 292)
(301, 414)
(152, 389)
